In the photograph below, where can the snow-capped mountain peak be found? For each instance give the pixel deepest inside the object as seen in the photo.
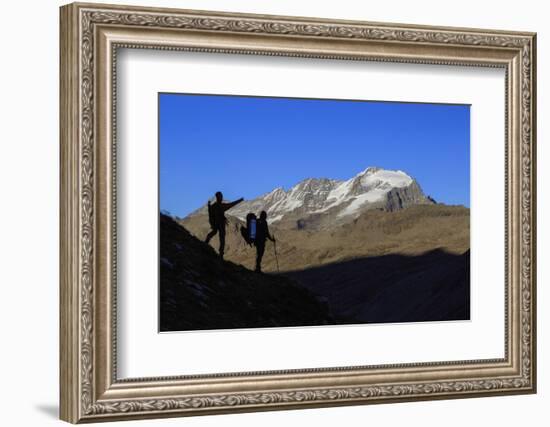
(341, 200)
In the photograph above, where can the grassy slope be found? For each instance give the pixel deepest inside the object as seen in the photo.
(411, 231)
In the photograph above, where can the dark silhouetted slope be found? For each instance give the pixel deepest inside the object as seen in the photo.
(200, 291)
(394, 288)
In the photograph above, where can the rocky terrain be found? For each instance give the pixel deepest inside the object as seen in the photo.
(199, 291)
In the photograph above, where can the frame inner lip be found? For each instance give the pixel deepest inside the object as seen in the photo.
(331, 371)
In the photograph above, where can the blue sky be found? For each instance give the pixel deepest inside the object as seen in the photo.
(247, 146)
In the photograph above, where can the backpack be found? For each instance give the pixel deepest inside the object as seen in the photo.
(211, 216)
(249, 232)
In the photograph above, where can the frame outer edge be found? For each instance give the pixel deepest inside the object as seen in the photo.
(77, 342)
(533, 207)
(68, 227)
(305, 19)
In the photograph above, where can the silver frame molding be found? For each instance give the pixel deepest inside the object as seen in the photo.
(90, 37)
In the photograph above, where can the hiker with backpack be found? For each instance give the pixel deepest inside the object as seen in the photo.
(262, 234)
(256, 232)
(217, 219)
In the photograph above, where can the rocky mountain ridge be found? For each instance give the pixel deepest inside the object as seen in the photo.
(322, 202)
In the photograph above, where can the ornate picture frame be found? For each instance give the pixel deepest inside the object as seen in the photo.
(90, 37)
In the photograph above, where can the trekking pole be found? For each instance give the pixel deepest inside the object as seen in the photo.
(275, 249)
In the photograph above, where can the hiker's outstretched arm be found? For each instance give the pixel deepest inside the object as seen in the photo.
(231, 204)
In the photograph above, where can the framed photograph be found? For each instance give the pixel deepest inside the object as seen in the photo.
(267, 212)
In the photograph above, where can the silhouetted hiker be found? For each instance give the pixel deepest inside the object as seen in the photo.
(217, 219)
(262, 233)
